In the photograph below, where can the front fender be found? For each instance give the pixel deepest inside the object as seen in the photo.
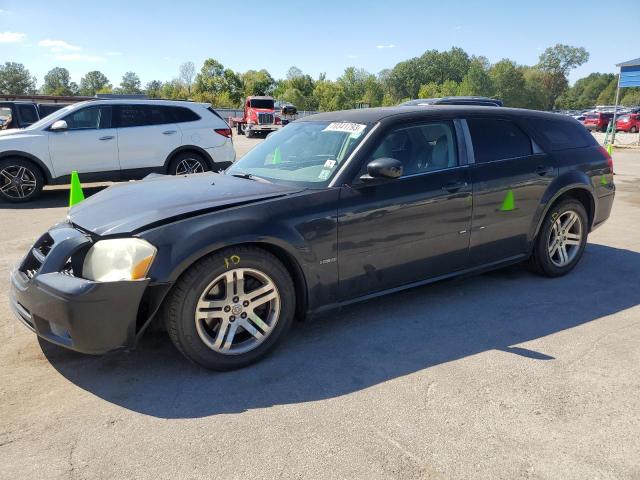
(304, 226)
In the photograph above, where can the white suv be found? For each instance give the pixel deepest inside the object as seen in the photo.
(113, 140)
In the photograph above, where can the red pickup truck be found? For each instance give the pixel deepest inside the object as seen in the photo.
(258, 116)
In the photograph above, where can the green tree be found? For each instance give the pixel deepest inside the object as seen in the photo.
(15, 79)
(153, 89)
(214, 83)
(93, 82)
(509, 83)
(329, 96)
(130, 84)
(57, 82)
(608, 94)
(630, 97)
(257, 82)
(477, 81)
(555, 63)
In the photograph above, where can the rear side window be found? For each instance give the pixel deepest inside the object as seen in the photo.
(495, 139)
(142, 115)
(27, 114)
(561, 135)
(182, 114)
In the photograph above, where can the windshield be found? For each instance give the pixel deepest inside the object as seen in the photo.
(53, 116)
(261, 103)
(302, 153)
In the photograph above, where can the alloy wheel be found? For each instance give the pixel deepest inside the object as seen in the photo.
(565, 238)
(237, 311)
(189, 165)
(17, 181)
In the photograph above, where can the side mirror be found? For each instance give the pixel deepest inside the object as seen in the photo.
(59, 126)
(383, 168)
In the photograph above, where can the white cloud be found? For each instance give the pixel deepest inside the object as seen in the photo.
(11, 37)
(352, 56)
(457, 27)
(114, 54)
(382, 47)
(57, 46)
(78, 57)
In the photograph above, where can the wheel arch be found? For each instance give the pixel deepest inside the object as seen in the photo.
(288, 259)
(580, 192)
(188, 148)
(46, 173)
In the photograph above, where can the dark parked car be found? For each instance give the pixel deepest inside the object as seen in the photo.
(333, 209)
(478, 101)
(21, 114)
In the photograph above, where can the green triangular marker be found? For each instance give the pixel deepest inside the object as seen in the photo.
(277, 156)
(508, 203)
(603, 180)
(75, 194)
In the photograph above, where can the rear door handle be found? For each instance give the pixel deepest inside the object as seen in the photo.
(542, 170)
(169, 132)
(454, 186)
(107, 137)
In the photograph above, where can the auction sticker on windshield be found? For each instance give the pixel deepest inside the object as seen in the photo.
(355, 129)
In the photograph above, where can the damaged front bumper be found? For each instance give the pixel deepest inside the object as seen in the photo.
(79, 314)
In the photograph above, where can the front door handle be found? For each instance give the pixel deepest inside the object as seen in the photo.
(453, 187)
(542, 170)
(107, 137)
(169, 132)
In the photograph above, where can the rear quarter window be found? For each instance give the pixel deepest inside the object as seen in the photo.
(183, 114)
(562, 135)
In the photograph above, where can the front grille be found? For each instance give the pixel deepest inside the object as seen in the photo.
(37, 256)
(61, 250)
(265, 118)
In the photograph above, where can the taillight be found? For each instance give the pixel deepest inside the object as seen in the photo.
(606, 155)
(225, 132)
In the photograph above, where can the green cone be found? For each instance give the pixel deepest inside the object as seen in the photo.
(277, 156)
(75, 194)
(508, 203)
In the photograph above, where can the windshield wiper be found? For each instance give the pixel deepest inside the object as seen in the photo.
(249, 176)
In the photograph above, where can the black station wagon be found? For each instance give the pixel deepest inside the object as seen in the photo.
(332, 209)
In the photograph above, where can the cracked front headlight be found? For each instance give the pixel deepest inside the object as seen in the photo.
(118, 259)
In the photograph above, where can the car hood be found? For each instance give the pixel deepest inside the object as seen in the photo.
(132, 207)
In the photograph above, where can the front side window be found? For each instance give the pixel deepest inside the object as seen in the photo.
(495, 139)
(90, 118)
(303, 153)
(421, 148)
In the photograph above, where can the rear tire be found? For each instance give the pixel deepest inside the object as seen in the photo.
(188, 162)
(561, 240)
(20, 180)
(248, 133)
(633, 130)
(213, 319)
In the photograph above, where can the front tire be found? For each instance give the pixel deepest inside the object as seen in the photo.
(20, 180)
(561, 240)
(231, 308)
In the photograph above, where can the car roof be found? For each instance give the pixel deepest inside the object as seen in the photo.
(130, 101)
(374, 115)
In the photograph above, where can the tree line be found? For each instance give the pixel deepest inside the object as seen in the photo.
(543, 86)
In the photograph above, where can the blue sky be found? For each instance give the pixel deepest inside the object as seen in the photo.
(153, 38)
